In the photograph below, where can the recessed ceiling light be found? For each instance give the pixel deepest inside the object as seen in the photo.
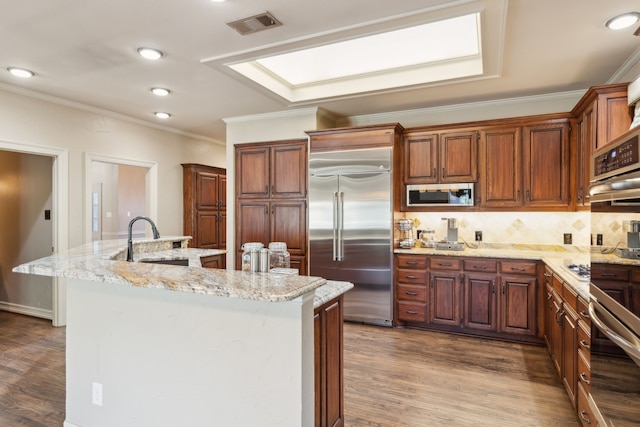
(160, 91)
(150, 53)
(162, 115)
(20, 72)
(622, 21)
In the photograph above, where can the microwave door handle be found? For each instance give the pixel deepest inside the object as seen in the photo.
(340, 226)
(611, 331)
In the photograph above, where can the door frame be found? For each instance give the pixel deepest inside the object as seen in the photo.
(60, 207)
(151, 187)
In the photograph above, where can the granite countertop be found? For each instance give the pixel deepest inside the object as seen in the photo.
(554, 256)
(104, 261)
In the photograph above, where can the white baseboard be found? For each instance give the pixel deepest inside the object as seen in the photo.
(25, 309)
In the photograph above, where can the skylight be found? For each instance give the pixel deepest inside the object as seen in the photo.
(417, 55)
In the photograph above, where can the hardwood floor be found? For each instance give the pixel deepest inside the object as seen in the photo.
(404, 377)
(32, 372)
(393, 378)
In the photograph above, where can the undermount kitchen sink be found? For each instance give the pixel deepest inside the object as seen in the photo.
(450, 246)
(182, 262)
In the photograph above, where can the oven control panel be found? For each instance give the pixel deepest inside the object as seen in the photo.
(620, 157)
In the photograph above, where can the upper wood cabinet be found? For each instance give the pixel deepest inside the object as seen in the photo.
(272, 170)
(440, 157)
(205, 201)
(601, 115)
(525, 166)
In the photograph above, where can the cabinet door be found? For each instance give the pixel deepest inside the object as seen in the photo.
(459, 156)
(252, 172)
(207, 190)
(570, 352)
(252, 223)
(500, 162)
(207, 234)
(479, 310)
(289, 225)
(546, 162)
(420, 158)
(213, 261)
(548, 315)
(517, 305)
(334, 364)
(444, 298)
(319, 371)
(222, 229)
(289, 170)
(556, 333)
(586, 141)
(222, 191)
(614, 117)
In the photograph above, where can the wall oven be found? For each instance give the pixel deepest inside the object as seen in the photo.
(614, 306)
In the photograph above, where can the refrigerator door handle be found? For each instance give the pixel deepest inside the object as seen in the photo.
(335, 226)
(340, 226)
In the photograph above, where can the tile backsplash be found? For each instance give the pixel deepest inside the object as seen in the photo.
(536, 228)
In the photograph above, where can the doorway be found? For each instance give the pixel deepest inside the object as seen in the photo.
(55, 161)
(118, 190)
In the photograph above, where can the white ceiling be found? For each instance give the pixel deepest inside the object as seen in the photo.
(84, 52)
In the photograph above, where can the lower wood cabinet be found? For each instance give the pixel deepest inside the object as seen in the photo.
(214, 261)
(328, 360)
(478, 296)
(568, 338)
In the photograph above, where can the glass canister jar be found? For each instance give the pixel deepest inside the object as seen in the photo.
(279, 257)
(251, 256)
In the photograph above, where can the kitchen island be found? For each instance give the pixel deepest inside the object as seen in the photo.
(153, 345)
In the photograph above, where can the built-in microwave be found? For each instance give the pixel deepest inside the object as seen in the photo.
(440, 195)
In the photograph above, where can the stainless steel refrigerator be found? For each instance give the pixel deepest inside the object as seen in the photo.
(351, 228)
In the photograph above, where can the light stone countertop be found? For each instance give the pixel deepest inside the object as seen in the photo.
(105, 261)
(554, 256)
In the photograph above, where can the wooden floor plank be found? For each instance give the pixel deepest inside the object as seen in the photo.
(409, 378)
(393, 378)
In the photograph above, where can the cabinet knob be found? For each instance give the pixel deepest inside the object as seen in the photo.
(583, 378)
(584, 344)
(584, 417)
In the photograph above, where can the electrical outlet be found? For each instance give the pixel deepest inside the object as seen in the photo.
(96, 394)
(478, 236)
(567, 238)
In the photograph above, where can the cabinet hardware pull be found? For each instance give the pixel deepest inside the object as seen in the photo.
(412, 293)
(412, 262)
(444, 264)
(266, 210)
(504, 288)
(444, 174)
(432, 282)
(518, 269)
(410, 276)
(481, 267)
(273, 209)
(411, 312)
(528, 195)
(518, 195)
(608, 274)
(584, 344)
(547, 274)
(434, 172)
(584, 314)
(583, 378)
(493, 287)
(583, 415)
(266, 189)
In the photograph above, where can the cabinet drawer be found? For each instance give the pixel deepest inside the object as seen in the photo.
(487, 265)
(584, 410)
(411, 276)
(412, 312)
(445, 263)
(412, 293)
(570, 296)
(519, 267)
(583, 312)
(584, 340)
(584, 371)
(609, 272)
(412, 261)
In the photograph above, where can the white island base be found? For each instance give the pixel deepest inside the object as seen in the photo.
(148, 357)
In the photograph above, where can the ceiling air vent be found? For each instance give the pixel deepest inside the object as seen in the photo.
(255, 23)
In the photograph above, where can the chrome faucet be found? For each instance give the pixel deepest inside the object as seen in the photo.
(154, 229)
